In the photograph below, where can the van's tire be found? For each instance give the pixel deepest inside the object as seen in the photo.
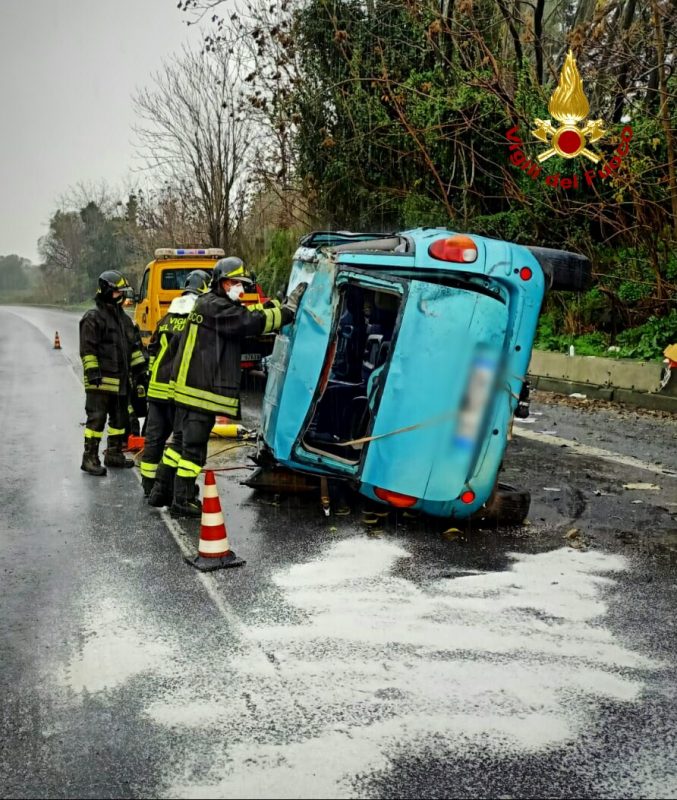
(507, 506)
(564, 271)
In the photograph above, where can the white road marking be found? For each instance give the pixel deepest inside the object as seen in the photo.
(589, 450)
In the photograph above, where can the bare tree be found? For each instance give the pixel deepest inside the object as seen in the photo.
(261, 33)
(196, 136)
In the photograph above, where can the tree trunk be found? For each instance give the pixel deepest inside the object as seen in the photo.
(517, 44)
(626, 22)
(664, 112)
(538, 44)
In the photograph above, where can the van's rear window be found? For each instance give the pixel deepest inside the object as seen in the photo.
(176, 278)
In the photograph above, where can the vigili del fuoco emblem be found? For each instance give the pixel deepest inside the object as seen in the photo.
(569, 106)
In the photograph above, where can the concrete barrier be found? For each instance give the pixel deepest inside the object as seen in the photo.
(622, 380)
(641, 376)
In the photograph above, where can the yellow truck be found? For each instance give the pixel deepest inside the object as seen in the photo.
(163, 280)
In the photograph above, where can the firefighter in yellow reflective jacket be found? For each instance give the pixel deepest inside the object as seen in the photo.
(206, 370)
(110, 349)
(160, 417)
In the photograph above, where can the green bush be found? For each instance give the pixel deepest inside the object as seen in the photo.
(649, 340)
(273, 271)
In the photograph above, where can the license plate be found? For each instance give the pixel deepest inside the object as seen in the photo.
(250, 357)
(476, 398)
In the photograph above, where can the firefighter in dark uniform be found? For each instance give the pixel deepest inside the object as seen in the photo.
(206, 369)
(160, 416)
(110, 349)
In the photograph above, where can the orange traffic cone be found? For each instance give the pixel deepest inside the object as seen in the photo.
(57, 341)
(213, 550)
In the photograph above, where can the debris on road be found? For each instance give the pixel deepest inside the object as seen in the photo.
(575, 539)
(642, 486)
(578, 396)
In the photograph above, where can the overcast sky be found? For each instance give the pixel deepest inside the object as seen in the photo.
(68, 69)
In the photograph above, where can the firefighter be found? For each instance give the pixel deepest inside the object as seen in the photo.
(110, 349)
(206, 370)
(160, 418)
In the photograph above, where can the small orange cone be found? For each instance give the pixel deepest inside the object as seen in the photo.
(57, 341)
(213, 550)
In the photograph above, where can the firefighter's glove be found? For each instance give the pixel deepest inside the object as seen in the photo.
(93, 377)
(140, 391)
(292, 302)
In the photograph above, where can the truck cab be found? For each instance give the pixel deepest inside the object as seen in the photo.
(164, 279)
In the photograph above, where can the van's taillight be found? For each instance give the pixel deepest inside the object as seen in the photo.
(460, 249)
(526, 273)
(395, 498)
(468, 497)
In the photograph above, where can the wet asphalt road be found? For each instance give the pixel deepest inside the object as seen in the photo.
(341, 661)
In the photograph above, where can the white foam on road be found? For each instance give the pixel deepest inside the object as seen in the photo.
(112, 652)
(514, 661)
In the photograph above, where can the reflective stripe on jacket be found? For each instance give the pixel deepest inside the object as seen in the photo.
(206, 370)
(162, 350)
(109, 344)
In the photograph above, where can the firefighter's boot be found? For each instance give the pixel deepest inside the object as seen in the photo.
(114, 457)
(90, 458)
(162, 493)
(185, 504)
(147, 485)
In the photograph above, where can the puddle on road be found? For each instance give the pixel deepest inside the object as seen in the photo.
(515, 661)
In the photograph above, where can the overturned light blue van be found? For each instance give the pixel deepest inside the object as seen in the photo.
(404, 367)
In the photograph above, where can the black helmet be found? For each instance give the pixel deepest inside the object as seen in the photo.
(231, 268)
(113, 281)
(197, 282)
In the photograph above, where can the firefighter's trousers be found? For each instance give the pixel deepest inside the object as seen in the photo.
(188, 451)
(159, 425)
(101, 406)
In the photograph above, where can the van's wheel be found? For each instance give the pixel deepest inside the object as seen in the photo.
(565, 271)
(507, 506)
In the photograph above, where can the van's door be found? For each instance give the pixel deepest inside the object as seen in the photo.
(296, 363)
(445, 334)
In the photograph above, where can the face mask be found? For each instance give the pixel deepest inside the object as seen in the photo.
(235, 292)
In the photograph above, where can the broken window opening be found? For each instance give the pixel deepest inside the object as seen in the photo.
(356, 358)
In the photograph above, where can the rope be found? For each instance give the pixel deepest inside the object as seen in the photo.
(432, 421)
(228, 469)
(225, 450)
